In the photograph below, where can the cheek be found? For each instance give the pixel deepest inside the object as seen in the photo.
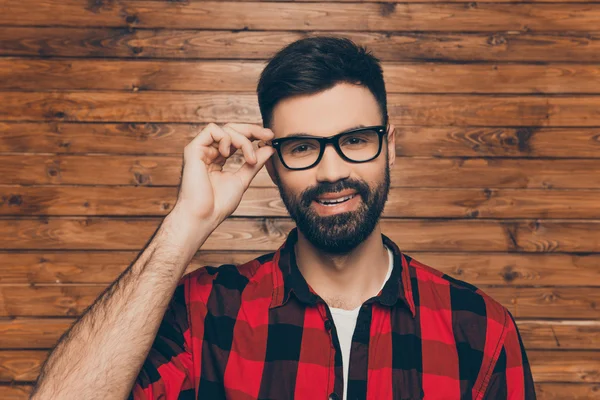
(295, 182)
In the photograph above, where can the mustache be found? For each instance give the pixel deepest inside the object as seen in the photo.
(332, 187)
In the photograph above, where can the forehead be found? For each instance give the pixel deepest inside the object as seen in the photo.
(326, 113)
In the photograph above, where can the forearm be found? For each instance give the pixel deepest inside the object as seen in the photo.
(101, 355)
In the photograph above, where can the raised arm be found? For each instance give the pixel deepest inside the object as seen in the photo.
(100, 356)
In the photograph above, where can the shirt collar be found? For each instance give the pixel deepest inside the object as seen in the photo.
(288, 279)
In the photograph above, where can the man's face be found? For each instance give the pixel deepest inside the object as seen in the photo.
(340, 228)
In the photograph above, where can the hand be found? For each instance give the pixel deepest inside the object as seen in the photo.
(207, 193)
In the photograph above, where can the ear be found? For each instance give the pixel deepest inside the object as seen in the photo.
(391, 140)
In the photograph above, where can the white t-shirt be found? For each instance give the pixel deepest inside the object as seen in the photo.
(345, 323)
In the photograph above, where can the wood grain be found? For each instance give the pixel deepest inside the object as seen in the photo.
(404, 109)
(267, 234)
(224, 44)
(407, 172)
(323, 16)
(241, 76)
(411, 141)
(566, 366)
(561, 391)
(64, 200)
(44, 267)
(501, 269)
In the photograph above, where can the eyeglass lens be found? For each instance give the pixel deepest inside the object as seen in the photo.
(357, 146)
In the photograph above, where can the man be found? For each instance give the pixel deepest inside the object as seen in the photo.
(336, 312)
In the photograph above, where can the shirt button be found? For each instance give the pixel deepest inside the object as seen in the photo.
(328, 326)
(334, 396)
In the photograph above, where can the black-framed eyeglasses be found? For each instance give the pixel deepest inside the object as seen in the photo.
(357, 146)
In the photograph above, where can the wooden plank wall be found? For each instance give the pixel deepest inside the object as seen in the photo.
(497, 179)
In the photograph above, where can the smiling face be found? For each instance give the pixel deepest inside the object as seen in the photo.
(360, 188)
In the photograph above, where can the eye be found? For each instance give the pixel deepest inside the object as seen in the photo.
(355, 140)
(301, 148)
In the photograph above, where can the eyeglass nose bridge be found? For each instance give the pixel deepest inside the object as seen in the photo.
(324, 142)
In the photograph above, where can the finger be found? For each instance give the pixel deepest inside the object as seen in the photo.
(240, 141)
(217, 149)
(220, 139)
(211, 135)
(203, 138)
(251, 131)
(247, 172)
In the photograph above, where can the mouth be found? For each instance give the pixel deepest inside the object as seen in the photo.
(331, 202)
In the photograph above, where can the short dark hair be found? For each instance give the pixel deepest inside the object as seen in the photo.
(314, 64)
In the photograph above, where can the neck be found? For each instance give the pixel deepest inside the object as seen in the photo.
(344, 281)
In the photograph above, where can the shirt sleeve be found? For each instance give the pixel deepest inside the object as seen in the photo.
(511, 378)
(167, 371)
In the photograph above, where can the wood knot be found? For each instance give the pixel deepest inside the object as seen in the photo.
(473, 214)
(387, 9)
(524, 136)
(132, 19)
(141, 179)
(15, 200)
(496, 40)
(53, 170)
(508, 274)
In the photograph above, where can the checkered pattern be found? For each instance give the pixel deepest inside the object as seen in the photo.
(259, 331)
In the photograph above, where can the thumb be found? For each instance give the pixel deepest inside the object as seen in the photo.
(247, 172)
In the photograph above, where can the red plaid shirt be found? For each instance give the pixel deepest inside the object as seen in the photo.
(259, 331)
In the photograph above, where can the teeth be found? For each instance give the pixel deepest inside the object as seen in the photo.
(336, 201)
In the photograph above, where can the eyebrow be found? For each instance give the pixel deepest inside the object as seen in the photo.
(303, 134)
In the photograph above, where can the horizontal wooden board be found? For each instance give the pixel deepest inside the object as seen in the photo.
(417, 172)
(547, 366)
(500, 269)
(422, 141)
(528, 142)
(47, 200)
(566, 366)
(323, 16)
(544, 391)
(404, 109)
(225, 44)
(563, 390)
(557, 335)
(267, 234)
(242, 76)
(553, 302)
(59, 137)
(40, 333)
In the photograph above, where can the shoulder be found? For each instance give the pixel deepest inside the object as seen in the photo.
(470, 318)
(227, 280)
(468, 303)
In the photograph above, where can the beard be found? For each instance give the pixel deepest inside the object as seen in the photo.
(342, 232)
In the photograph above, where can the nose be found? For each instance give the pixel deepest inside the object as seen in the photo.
(332, 166)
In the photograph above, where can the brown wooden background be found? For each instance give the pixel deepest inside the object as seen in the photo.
(497, 182)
